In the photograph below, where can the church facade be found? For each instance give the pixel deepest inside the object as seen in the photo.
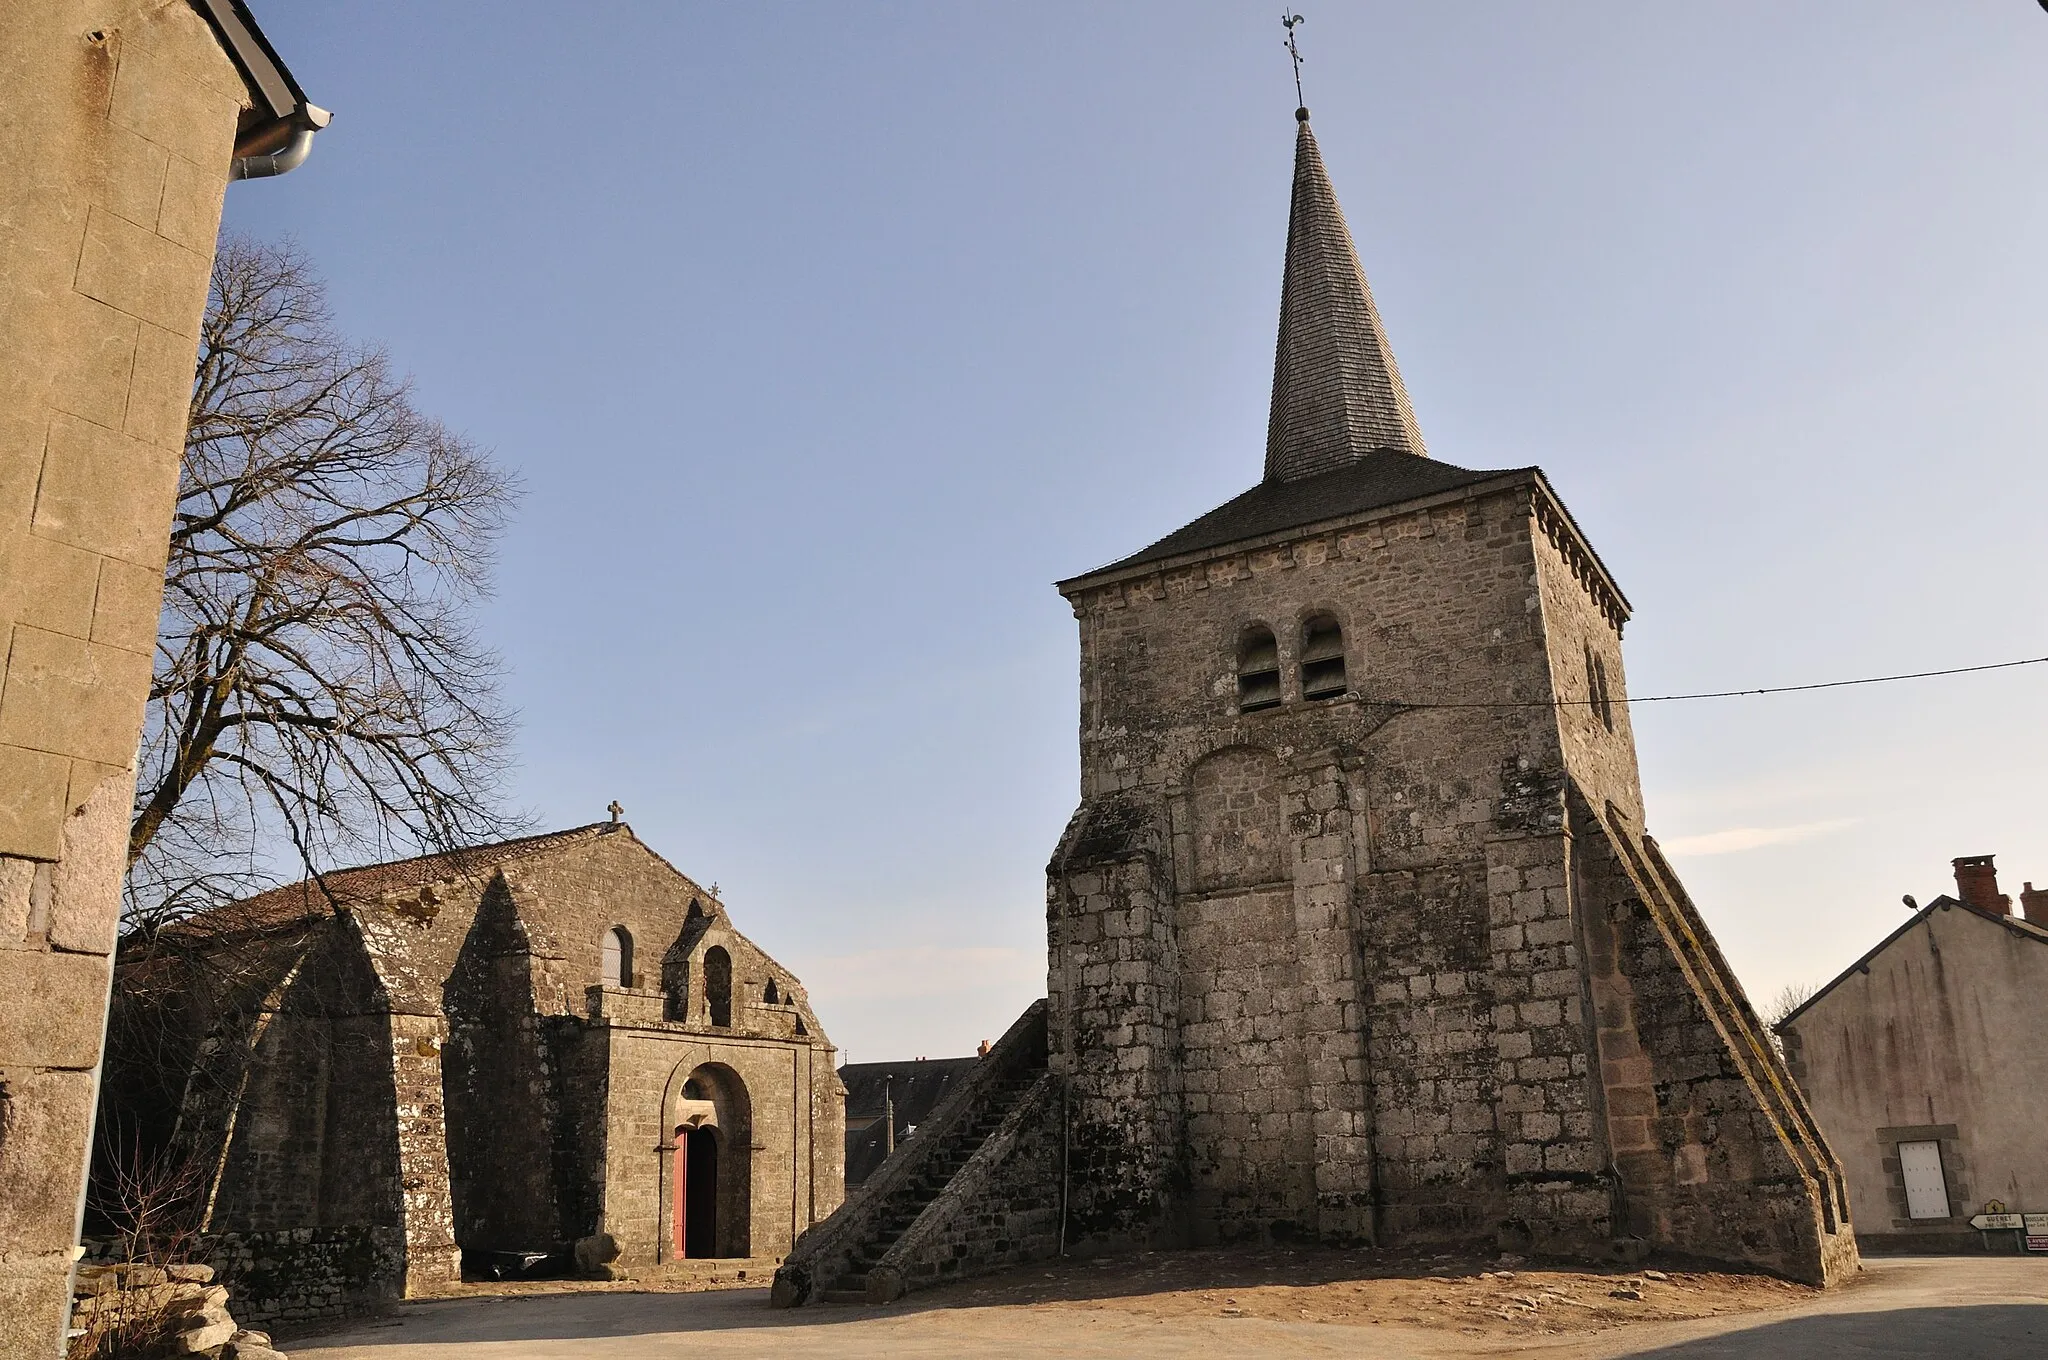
(505, 1049)
(1357, 934)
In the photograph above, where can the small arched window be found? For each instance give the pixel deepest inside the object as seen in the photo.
(616, 966)
(718, 985)
(1322, 658)
(1258, 670)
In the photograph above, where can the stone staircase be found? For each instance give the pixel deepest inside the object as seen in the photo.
(910, 1203)
(975, 1188)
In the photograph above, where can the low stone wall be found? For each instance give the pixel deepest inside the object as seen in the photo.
(295, 1276)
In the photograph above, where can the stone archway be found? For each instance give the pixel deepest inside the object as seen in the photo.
(708, 1184)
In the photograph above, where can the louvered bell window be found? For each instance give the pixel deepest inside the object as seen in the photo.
(1322, 659)
(1258, 671)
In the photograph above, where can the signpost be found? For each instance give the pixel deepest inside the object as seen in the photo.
(1991, 1221)
(2036, 1231)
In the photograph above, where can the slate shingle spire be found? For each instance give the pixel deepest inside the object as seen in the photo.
(1337, 394)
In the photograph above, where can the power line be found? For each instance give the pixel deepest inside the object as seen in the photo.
(1731, 693)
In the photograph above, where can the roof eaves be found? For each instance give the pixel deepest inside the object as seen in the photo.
(269, 80)
(1607, 580)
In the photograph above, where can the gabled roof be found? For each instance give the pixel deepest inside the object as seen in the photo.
(2023, 928)
(1382, 478)
(310, 898)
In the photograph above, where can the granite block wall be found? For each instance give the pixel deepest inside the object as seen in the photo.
(120, 118)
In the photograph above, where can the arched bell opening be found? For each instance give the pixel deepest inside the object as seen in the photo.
(1258, 669)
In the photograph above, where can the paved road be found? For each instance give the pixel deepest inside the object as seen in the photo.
(1903, 1308)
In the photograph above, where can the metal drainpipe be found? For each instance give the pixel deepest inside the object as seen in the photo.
(301, 127)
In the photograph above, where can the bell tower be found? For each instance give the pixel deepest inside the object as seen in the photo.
(1357, 935)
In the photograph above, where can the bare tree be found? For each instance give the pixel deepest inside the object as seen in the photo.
(1789, 999)
(318, 686)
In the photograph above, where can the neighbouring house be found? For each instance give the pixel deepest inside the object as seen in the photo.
(505, 1049)
(1358, 934)
(121, 124)
(1921, 1064)
(885, 1103)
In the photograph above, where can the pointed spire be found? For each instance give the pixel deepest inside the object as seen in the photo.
(1337, 394)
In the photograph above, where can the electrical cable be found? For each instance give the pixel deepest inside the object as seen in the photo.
(1724, 693)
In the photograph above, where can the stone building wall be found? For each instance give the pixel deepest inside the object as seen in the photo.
(1318, 970)
(119, 118)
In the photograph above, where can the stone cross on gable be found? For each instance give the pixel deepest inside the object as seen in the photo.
(616, 811)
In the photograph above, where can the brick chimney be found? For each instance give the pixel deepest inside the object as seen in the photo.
(1977, 885)
(2034, 903)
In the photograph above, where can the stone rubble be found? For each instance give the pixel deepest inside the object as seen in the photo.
(191, 1312)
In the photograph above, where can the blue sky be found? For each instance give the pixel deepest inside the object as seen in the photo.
(826, 336)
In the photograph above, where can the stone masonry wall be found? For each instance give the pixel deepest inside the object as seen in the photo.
(1318, 970)
(1113, 1023)
(296, 1277)
(780, 1111)
(119, 118)
(1386, 821)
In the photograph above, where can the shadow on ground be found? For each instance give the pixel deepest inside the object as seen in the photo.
(1991, 1329)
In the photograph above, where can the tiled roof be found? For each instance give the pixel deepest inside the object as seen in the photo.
(305, 900)
(1337, 393)
(1382, 478)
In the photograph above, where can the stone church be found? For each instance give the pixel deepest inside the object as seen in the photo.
(509, 1048)
(1357, 935)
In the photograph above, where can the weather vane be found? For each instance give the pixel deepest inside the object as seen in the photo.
(1288, 21)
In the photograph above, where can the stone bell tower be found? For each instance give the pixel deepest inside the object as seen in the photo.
(1357, 935)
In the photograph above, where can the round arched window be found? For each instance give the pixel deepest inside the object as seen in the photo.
(616, 958)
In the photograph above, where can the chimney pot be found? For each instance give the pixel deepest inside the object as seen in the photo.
(1977, 885)
(2034, 904)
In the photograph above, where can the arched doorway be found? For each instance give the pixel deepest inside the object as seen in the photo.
(709, 1192)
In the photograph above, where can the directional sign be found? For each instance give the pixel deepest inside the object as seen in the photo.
(2037, 1232)
(1999, 1221)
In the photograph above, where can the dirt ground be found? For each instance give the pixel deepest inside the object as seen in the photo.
(1491, 1298)
(1279, 1305)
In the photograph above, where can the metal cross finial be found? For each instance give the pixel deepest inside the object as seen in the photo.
(1288, 21)
(616, 811)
